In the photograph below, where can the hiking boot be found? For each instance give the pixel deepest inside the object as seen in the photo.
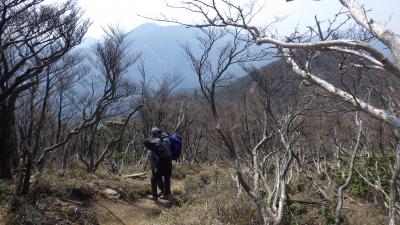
(154, 198)
(166, 197)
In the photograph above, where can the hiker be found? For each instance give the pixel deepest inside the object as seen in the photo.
(153, 159)
(160, 158)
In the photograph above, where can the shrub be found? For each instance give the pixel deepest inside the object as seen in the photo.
(300, 187)
(297, 209)
(291, 213)
(359, 187)
(322, 176)
(328, 213)
(373, 167)
(263, 193)
(6, 193)
(338, 178)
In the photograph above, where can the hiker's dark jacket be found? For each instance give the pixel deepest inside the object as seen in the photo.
(164, 146)
(159, 150)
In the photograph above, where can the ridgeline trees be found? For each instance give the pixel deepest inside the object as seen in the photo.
(111, 62)
(33, 36)
(350, 40)
(293, 118)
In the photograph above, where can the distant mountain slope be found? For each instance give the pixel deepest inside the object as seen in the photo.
(160, 48)
(368, 83)
(163, 56)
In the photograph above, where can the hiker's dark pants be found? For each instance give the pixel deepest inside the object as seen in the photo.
(163, 170)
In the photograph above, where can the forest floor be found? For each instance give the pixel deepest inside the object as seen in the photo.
(2, 219)
(142, 212)
(75, 197)
(202, 195)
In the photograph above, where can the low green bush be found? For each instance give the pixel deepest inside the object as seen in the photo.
(300, 187)
(328, 214)
(297, 209)
(359, 187)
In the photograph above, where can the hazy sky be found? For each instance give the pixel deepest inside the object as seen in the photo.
(298, 12)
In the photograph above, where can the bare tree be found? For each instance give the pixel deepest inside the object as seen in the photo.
(34, 35)
(355, 44)
(339, 191)
(214, 14)
(34, 121)
(31, 142)
(211, 77)
(157, 110)
(112, 61)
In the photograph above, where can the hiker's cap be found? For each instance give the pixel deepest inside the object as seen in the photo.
(155, 130)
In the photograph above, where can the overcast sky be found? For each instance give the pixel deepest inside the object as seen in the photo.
(298, 12)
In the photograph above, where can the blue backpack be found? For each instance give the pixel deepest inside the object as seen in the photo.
(176, 145)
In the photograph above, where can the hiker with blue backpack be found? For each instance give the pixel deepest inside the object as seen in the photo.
(163, 149)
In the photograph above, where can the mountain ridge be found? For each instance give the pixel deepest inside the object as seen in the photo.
(160, 49)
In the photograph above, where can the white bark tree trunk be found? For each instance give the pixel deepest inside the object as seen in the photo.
(380, 114)
(393, 188)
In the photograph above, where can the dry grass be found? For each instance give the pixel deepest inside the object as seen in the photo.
(77, 178)
(210, 199)
(65, 198)
(207, 197)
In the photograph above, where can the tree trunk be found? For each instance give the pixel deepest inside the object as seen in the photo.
(393, 188)
(23, 186)
(64, 158)
(8, 142)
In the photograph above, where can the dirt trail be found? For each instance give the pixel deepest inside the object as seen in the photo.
(142, 212)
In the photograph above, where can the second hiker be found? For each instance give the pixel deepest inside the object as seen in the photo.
(161, 160)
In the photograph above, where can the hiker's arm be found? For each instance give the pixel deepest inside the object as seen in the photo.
(146, 161)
